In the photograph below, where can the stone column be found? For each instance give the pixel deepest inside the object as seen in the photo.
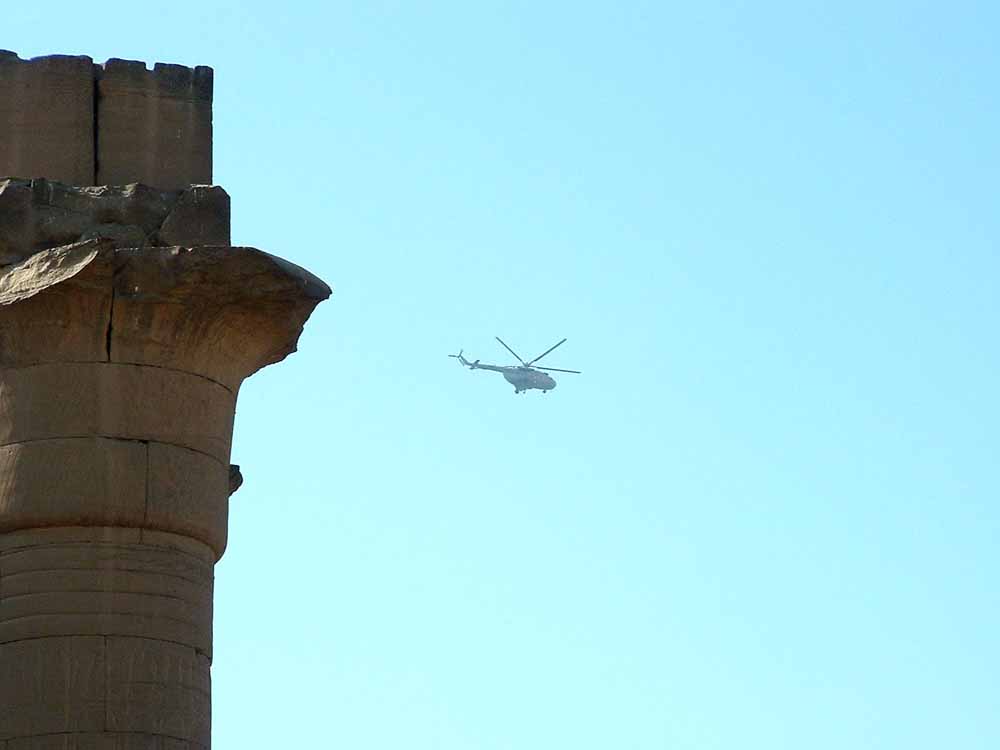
(127, 324)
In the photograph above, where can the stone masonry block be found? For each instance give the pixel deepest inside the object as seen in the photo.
(40, 214)
(188, 494)
(104, 581)
(72, 482)
(51, 685)
(55, 306)
(154, 126)
(105, 548)
(117, 401)
(28, 538)
(46, 614)
(201, 216)
(118, 570)
(69, 584)
(179, 543)
(47, 118)
(17, 220)
(158, 688)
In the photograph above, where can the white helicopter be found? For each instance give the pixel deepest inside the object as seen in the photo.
(524, 376)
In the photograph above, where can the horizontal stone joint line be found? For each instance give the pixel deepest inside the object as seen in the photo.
(103, 613)
(185, 688)
(138, 547)
(119, 438)
(51, 592)
(96, 569)
(103, 525)
(197, 650)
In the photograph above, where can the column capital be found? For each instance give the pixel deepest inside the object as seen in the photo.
(119, 371)
(218, 312)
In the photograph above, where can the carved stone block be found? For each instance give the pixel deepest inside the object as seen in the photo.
(47, 117)
(188, 494)
(154, 126)
(89, 582)
(107, 399)
(72, 482)
(52, 685)
(158, 688)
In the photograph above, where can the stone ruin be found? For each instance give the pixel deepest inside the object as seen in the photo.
(127, 324)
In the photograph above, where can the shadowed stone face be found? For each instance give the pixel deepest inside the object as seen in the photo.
(153, 126)
(47, 117)
(40, 214)
(127, 325)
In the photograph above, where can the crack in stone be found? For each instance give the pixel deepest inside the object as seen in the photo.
(111, 318)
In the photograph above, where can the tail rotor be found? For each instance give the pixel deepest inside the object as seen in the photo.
(463, 360)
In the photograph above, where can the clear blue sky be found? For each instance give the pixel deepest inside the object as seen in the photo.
(766, 514)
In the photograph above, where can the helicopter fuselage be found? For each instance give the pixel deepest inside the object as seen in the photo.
(523, 377)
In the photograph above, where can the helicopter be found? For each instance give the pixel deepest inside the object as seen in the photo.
(523, 377)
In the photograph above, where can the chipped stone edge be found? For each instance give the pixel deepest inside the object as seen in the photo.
(46, 269)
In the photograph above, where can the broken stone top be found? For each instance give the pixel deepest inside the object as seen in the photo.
(41, 214)
(177, 81)
(64, 118)
(167, 79)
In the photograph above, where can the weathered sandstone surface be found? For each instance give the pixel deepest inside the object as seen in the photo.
(127, 326)
(119, 373)
(40, 214)
(66, 118)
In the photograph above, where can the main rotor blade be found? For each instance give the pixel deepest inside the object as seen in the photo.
(556, 369)
(510, 350)
(546, 352)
